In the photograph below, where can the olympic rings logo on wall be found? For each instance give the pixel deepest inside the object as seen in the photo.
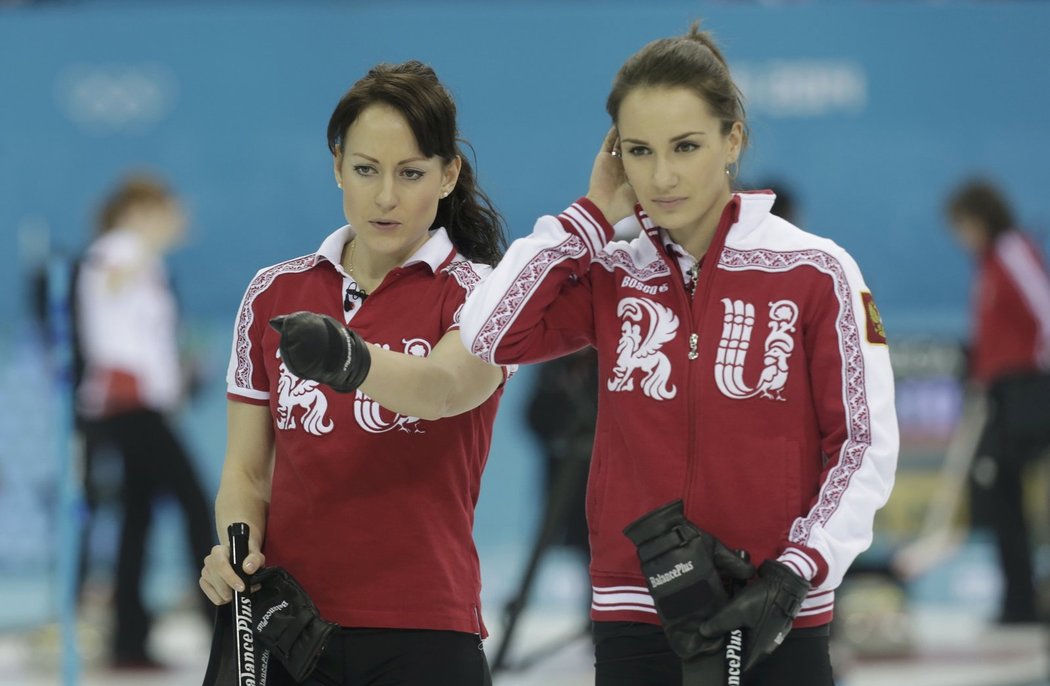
(115, 98)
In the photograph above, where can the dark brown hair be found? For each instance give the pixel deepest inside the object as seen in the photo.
(984, 202)
(139, 188)
(413, 89)
(691, 61)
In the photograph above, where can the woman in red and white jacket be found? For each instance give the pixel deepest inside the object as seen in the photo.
(1010, 362)
(743, 366)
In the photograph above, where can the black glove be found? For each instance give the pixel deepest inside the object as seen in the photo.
(683, 569)
(767, 607)
(286, 621)
(317, 347)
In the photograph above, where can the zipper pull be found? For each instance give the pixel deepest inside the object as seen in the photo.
(694, 339)
(694, 278)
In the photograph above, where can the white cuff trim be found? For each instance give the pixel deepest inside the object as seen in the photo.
(589, 229)
(801, 563)
(248, 393)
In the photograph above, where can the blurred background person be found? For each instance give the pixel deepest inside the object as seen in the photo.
(1010, 361)
(131, 382)
(561, 414)
(785, 206)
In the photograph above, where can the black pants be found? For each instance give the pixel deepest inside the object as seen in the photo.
(1017, 432)
(155, 464)
(628, 654)
(394, 657)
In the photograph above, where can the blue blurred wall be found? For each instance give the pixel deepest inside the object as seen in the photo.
(870, 111)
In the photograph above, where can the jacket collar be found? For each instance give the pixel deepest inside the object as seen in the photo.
(742, 215)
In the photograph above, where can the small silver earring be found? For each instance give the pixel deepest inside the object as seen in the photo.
(339, 183)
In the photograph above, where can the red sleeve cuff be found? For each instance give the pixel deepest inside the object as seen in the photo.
(806, 562)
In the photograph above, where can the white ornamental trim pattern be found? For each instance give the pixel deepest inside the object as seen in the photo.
(260, 283)
(612, 259)
(520, 290)
(465, 275)
(858, 417)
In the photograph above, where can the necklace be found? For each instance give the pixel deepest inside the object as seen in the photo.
(355, 288)
(350, 263)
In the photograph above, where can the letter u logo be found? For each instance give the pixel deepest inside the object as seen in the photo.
(737, 326)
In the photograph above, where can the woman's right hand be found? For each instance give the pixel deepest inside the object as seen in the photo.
(219, 581)
(609, 189)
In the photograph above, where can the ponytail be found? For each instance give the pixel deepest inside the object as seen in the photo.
(474, 225)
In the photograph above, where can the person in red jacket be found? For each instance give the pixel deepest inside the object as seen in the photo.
(1010, 361)
(743, 369)
(364, 489)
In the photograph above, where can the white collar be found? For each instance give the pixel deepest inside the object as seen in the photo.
(434, 252)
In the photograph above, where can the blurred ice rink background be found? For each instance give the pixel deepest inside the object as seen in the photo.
(868, 111)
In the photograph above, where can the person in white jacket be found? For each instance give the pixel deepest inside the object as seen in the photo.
(132, 383)
(743, 369)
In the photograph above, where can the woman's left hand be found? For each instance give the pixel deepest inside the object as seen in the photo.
(609, 189)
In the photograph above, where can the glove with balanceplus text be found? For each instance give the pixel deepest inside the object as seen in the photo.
(684, 568)
(317, 347)
(287, 622)
(767, 607)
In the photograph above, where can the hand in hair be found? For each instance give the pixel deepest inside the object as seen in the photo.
(609, 189)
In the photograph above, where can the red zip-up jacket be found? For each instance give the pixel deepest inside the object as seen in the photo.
(1011, 310)
(764, 400)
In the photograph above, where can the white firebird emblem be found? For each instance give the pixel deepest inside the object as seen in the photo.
(293, 393)
(736, 339)
(639, 350)
(376, 419)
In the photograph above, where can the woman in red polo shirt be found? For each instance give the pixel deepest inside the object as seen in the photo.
(367, 496)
